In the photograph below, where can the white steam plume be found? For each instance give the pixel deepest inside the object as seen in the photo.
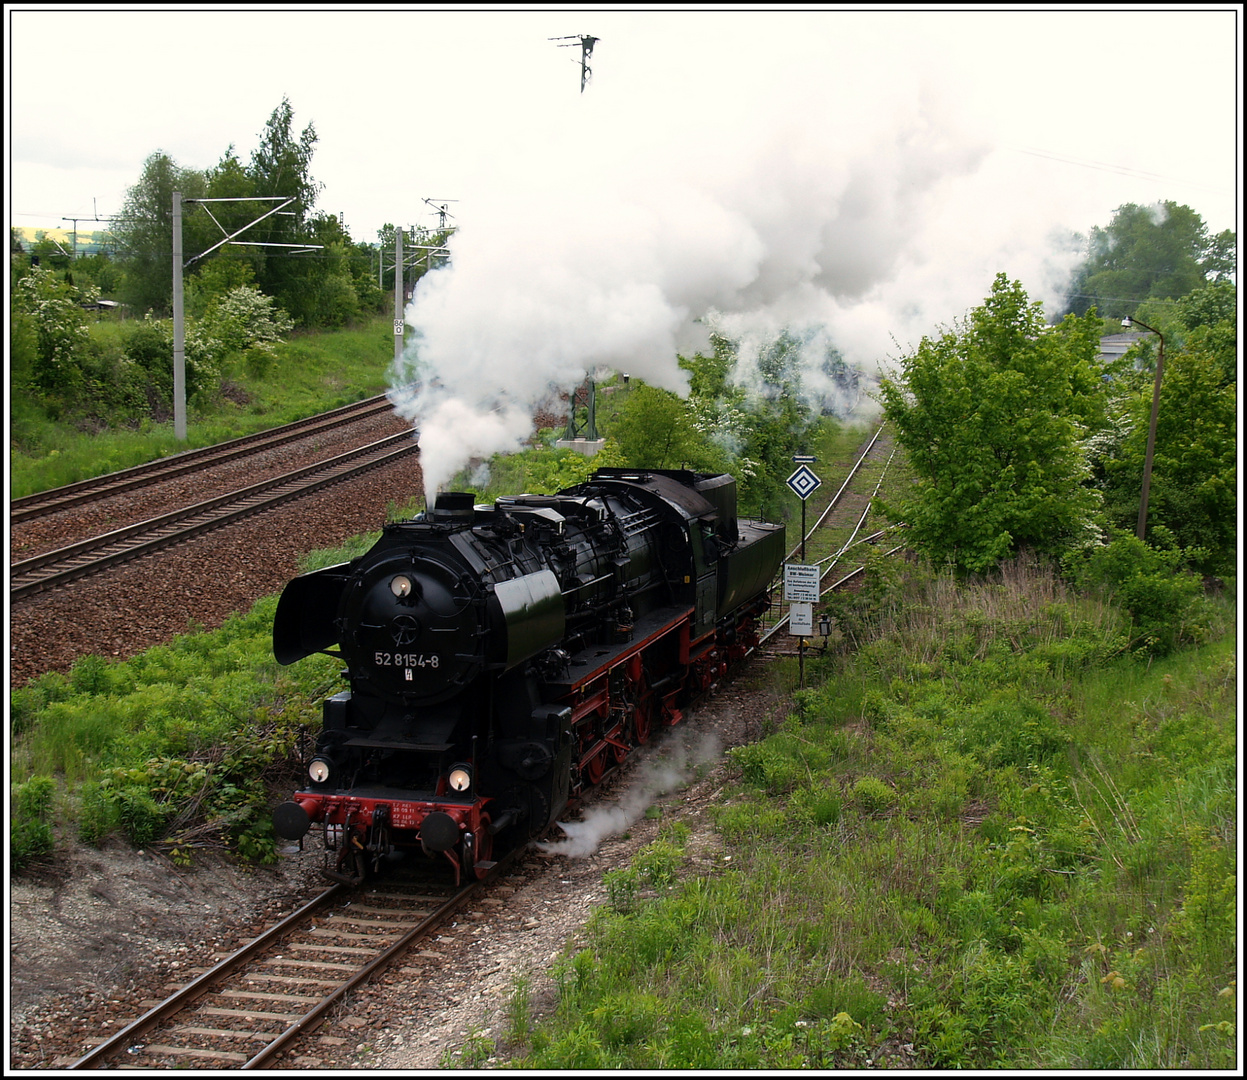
(796, 200)
(677, 762)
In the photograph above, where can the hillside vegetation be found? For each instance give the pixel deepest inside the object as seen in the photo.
(998, 829)
(987, 836)
(59, 440)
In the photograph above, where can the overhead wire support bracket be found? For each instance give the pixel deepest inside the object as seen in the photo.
(286, 201)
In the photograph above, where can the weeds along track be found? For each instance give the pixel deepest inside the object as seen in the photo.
(837, 542)
(44, 503)
(66, 564)
(261, 1000)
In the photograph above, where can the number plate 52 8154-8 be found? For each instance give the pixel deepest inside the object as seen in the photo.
(406, 660)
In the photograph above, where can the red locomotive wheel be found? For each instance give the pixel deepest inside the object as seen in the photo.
(596, 768)
(641, 721)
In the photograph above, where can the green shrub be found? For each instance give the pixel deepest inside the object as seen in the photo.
(139, 815)
(1163, 599)
(1017, 733)
(89, 675)
(623, 886)
(819, 805)
(1205, 927)
(30, 833)
(746, 822)
(97, 813)
(769, 765)
(871, 795)
(658, 862)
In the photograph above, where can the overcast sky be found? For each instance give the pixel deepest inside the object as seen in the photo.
(869, 172)
(411, 104)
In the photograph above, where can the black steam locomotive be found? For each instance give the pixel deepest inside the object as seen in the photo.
(502, 658)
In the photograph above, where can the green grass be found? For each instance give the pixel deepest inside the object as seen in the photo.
(986, 832)
(310, 374)
(177, 745)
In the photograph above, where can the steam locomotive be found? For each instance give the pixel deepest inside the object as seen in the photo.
(503, 658)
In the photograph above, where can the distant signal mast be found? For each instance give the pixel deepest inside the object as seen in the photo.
(440, 208)
(586, 50)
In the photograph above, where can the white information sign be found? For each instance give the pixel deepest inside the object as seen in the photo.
(801, 620)
(801, 583)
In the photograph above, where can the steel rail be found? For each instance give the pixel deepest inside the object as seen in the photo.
(836, 497)
(392, 952)
(47, 502)
(833, 558)
(768, 634)
(195, 989)
(127, 542)
(296, 1026)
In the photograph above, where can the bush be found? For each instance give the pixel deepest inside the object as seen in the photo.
(872, 796)
(1163, 599)
(31, 832)
(141, 817)
(97, 814)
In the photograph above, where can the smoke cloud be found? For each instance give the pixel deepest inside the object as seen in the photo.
(676, 763)
(783, 198)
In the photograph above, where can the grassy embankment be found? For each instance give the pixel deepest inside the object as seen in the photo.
(986, 833)
(179, 741)
(311, 373)
(177, 746)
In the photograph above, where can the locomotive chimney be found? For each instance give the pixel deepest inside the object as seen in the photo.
(454, 507)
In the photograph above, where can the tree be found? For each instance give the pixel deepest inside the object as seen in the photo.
(992, 415)
(655, 429)
(326, 295)
(280, 166)
(417, 236)
(1194, 468)
(1220, 261)
(53, 308)
(144, 232)
(1157, 251)
(754, 413)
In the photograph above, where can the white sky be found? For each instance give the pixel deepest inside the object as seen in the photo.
(412, 103)
(863, 172)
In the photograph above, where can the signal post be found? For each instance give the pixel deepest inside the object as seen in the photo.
(801, 582)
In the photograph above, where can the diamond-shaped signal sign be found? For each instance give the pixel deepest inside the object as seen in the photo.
(803, 482)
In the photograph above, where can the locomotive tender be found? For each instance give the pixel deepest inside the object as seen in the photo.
(501, 659)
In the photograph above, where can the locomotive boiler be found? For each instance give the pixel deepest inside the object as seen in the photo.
(500, 659)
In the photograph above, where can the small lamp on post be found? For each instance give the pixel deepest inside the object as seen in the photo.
(824, 628)
(1151, 427)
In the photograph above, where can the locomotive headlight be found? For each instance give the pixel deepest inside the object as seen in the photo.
(400, 585)
(460, 778)
(319, 770)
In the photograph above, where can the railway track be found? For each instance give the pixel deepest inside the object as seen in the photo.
(831, 577)
(44, 503)
(56, 568)
(261, 999)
